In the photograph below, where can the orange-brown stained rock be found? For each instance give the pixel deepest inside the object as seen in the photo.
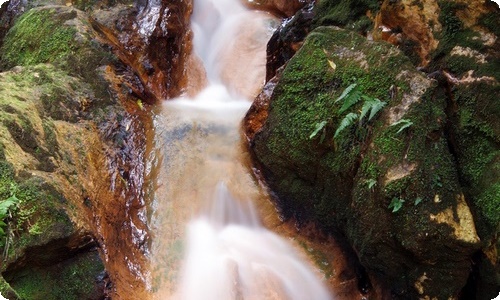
(417, 22)
(409, 21)
(114, 179)
(154, 42)
(257, 114)
(281, 8)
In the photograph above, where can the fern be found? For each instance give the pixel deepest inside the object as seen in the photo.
(346, 92)
(371, 183)
(319, 126)
(346, 122)
(405, 123)
(352, 98)
(396, 204)
(5, 206)
(372, 105)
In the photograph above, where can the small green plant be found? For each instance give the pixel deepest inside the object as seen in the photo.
(436, 181)
(347, 121)
(6, 207)
(418, 200)
(352, 95)
(372, 105)
(396, 204)
(405, 123)
(371, 183)
(319, 126)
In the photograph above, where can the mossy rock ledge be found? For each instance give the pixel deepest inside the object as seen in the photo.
(352, 137)
(57, 118)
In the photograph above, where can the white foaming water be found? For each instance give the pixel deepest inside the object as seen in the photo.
(231, 256)
(228, 254)
(214, 23)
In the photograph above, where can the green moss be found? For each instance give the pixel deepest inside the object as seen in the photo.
(491, 21)
(50, 136)
(478, 138)
(71, 279)
(489, 203)
(6, 178)
(58, 35)
(7, 291)
(39, 216)
(455, 33)
(345, 12)
(459, 65)
(398, 188)
(312, 80)
(37, 37)
(391, 143)
(84, 5)
(448, 17)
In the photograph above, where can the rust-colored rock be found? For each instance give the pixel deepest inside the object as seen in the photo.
(415, 26)
(281, 8)
(257, 114)
(154, 41)
(411, 24)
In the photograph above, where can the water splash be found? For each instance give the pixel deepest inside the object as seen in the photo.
(228, 253)
(231, 256)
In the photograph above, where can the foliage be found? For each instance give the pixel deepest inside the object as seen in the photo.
(371, 183)
(5, 208)
(396, 204)
(319, 126)
(37, 37)
(349, 97)
(372, 105)
(346, 122)
(405, 123)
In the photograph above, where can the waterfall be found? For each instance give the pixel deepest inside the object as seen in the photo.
(202, 185)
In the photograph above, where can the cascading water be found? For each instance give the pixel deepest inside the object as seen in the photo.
(201, 182)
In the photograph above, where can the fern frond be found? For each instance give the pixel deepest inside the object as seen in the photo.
(376, 107)
(366, 108)
(346, 122)
(372, 105)
(319, 126)
(346, 92)
(352, 98)
(405, 123)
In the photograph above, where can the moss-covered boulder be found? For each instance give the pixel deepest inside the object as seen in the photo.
(66, 148)
(42, 226)
(358, 141)
(61, 36)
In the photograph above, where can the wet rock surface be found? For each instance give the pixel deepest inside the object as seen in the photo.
(71, 163)
(153, 40)
(399, 187)
(281, 8)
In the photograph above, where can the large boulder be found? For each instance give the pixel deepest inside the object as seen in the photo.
(71, 158)
(351, 136)
(41, 229)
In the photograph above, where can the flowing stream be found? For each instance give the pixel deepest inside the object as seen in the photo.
(200, 183)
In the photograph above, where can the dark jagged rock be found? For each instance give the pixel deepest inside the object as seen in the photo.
(8, 13)
(153, 40)
(351, 183)
(280, 8)
(456, 43)
(287, 39)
